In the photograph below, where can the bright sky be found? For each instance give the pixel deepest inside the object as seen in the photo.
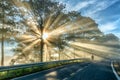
(8, 48)
(105, 12)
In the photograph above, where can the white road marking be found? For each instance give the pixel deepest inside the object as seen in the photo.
(65, 78)
(78, 70)
(118, 78)
(72, 74)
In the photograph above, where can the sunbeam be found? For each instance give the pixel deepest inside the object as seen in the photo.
(100, 49)
(31, 45)
(52, 32)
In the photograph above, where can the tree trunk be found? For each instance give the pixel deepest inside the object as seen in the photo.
(2, 42)
(2, 51)
(41, 51)
(41, 27)
(42, 45)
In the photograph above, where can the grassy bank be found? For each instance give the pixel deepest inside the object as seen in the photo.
(6, 75)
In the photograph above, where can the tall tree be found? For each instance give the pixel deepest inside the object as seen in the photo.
(48, 24)
(42, 9)
(8, 15)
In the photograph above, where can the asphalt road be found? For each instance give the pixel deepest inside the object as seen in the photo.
(85, 71)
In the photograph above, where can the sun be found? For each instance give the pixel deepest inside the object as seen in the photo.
(45, 36)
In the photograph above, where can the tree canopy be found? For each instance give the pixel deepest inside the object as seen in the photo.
(35, 18)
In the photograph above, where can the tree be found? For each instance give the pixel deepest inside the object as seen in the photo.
(7, 22)
(40, 14)
(42, 9)
(108, 38)
(41, 17)
(4, 29)
(111, 37)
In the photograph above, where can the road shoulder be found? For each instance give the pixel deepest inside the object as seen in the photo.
(114, 71)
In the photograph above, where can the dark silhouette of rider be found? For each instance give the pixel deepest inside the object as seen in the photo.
(92, 57)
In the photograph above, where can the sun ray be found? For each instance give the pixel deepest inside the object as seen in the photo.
(31, 45)
(24, 37)
(72, 27)
(46, 52)
(101, 50)
(31, 22)
(71, 50)
(69, 23)
(49, 52)
(55, 26)
(48, 22)
(57, 20)
(28, 40)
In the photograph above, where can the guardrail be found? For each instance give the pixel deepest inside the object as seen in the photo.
(9, 72)
(116, 65)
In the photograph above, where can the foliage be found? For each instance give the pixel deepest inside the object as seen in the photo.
(46, 16)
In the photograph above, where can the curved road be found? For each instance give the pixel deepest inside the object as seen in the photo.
(78, 71)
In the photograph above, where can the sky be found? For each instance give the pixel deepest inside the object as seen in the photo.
(106, 13)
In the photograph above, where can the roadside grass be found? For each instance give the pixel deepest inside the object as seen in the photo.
(6, 75)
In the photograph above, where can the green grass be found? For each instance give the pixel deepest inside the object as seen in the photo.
(5, 75)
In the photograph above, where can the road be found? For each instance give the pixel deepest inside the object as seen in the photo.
(77, 71)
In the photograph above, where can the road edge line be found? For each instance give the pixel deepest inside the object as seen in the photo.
(115, 73)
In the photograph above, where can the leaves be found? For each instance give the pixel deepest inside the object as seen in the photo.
(47, 16)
